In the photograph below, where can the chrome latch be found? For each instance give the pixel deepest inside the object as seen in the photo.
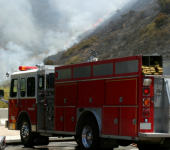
(72, 119)
(134, 121)
(115, 121)
(120, 99)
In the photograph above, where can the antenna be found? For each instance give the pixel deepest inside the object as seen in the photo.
(93, 56)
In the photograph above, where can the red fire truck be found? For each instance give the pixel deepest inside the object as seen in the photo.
(102, 104)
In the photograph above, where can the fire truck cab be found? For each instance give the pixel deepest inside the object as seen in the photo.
(102, 104)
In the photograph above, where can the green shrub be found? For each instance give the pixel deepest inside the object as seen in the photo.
(6, 97)
(161, 19)
(149, 29)
(83, 44)
(152, 31)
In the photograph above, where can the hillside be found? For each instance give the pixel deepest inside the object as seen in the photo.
(131, 31)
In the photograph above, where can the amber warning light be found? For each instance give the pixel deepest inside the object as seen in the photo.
(24, 68)
(146, 102)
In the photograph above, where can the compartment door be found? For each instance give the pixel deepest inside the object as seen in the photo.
(59, 119)
(121, 91)
(110, 121)
(69, 119)
(66, 94)
(128, 121)
(91, 92)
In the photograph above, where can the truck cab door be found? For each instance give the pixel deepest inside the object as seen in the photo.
(31, 98)
(14, 103)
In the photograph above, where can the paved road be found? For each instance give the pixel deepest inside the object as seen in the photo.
(59, 146)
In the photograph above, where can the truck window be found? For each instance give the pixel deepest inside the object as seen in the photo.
(14, 85)
(23, 87)
(31, 87)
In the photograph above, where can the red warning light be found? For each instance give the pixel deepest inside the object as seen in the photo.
(56, 74)
(24, 68)
(146, 91)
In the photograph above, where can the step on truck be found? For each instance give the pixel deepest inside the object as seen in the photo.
(103, 104)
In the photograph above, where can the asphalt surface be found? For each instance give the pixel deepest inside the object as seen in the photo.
(59, 146)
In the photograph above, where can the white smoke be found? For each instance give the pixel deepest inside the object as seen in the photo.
(31, 30)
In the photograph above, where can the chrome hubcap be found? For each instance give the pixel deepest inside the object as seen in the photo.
(25, 131)
(87, 136)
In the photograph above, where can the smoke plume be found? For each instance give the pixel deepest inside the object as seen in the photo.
(31, 30)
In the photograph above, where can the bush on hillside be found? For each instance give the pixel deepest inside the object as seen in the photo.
(49, 62)
(130, 14)
(161, 19)
(165, 5)
(149, 29)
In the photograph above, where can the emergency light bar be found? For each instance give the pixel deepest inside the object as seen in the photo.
(24, 68)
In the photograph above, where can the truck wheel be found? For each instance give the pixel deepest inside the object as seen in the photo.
(89, 135)
(26, 134)
(88, 138)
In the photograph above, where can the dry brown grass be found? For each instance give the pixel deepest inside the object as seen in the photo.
(74, 60)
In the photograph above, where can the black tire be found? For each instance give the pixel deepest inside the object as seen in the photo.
(90, 140)
(31, 138)
(26, 134)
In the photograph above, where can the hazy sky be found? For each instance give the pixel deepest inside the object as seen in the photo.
(31, 30)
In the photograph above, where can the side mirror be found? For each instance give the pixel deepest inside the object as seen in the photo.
(1, 93)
